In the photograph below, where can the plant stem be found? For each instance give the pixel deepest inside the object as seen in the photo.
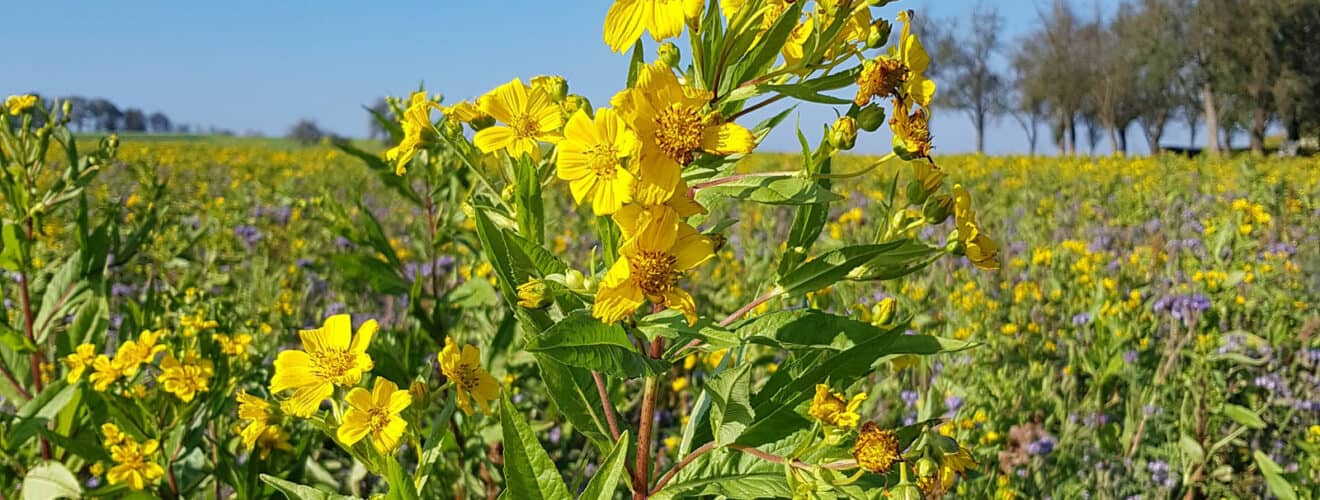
(797, 464)
(755, 107)
(735, 177)
(681, 464)
(641, 475)
(606, 405)
(38, 357)
(751, 305)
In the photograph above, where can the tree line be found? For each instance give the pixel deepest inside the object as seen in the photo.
(98, 114)
(1231, 66)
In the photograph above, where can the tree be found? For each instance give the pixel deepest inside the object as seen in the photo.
(1057, 72)
(1297, 91)
(376, 130)
(1153, 39)
(135, 120)
(159, 123)
(1028, 110)
(306, 132)
(969, 80)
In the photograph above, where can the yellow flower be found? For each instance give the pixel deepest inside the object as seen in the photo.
(529, 116)
(876, 450)
(79, 361)
(377, 413)
(273, 438)
(235, 346)
(980, 249)
(916, 87)
(532, 294)
(19, 103)
(829, 407)
(678, 384)
(187, 379)
(333, 356)
(664, 19)
(912, 137)
(880, 77)
(591, 160)
(954, 464)
(257, 413)
(134, 464)
(112, 436)
(463, 367)
(104, 372)
(673, 125)
(649, 266)
(417, 131)
(466, 112)
(133, 354)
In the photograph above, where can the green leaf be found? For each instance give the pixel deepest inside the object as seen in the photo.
(295, 491)
(1243, 416)
(909, 257)
(573, 392)
(65, 291)
(767, 51)
(41, 409)
(731, 407)
(528, 471)
(1274, 479)
(50, 480)
(496, 248)
(9, 248)
(831, 267)
(1192, 451)
(808, 220)
(371, 272)
(401, 483)
(583, 341)
(527, 199)
(798, 91)
(770, 191)
(671, 324)
(16, 340)
(606, 480)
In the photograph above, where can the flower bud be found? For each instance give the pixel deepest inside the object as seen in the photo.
(67, 110)
(554, 86)
(843, 134)
(534, 294)
(574, 103)
(916, 195)
(882, 314)
(878, 34)
(669, 54)
(937, 209)
(871, 118)
(417, 390)
(113, 141)
(954, 244)
(574, 280)
(507, 194)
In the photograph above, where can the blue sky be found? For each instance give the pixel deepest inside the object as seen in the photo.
(261, 65)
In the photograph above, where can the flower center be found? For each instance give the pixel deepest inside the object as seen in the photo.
(603, 160)
(654, 272)
(332, 363)
(524, 126)
(678, 132)
(378, 418)
(467, 378)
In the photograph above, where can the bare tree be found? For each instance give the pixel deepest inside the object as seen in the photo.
(966, 71)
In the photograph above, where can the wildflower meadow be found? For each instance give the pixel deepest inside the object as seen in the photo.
(528, 295)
